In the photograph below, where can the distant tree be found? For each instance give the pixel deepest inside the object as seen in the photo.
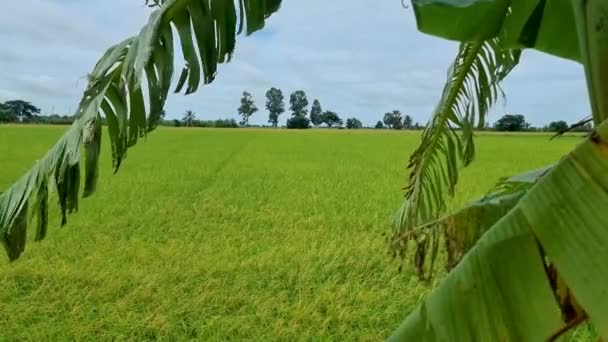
(274, 105)
(53, 119)
(176, 123)
(7, 115)
(393, 119)
(558, 126)
(331, 119)
(298, 103)
(298, 122)
(353, 123)
(511, 123)
(315, 113)
(247, 108)
(407, 122)
(189, 118)
(379, 125)
(22, 109)
(417, 126)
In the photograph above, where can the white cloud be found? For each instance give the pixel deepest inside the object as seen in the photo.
(359, 58)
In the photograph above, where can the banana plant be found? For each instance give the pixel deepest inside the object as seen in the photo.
(206, 28)
(529, 258)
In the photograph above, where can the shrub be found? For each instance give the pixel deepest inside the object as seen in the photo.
(298, 122)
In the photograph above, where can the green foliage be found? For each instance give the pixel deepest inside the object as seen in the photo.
(155, 119)
(520, 248)
(473, 85)
(23, 110)
(558, 126)
(298, 122)
(511, 123)
(393, 119)
(407, 122)
(7, 115)
(548, 26)
(247, 108)
(207, 35)
(219, 123)
(189, 118)
(354, 123)
(331, 119)
(19, 111)
(315, 113)
(550, 240)
(298, 103)
(379, 125)
(274, 105)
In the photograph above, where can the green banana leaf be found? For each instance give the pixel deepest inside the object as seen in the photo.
(501, 291)
(207, 31)
(465, 227)
(522, 23)
(447, 144)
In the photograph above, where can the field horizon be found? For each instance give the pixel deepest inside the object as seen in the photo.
(220, 234)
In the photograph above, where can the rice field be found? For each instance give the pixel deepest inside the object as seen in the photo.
(210, 234)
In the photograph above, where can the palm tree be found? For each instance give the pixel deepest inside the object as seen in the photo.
(528, 259)
(189, 118)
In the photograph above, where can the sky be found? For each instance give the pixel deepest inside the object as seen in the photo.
(360, 58)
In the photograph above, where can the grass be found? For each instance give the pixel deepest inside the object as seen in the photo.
(232, 234)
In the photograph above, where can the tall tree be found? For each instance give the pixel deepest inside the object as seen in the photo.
(189, 118)
(315, 112)
(393, 119)
(407, 122)
(511, 123)
(331, 119)
(247, 108)
(274, 105)
(298, 103)
(24, 110)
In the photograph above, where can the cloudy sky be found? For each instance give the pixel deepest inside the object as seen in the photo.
(360, 58)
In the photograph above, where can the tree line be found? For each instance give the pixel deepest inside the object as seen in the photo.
(16, 111)
(20, 111)
(298, 105)
(518, 123)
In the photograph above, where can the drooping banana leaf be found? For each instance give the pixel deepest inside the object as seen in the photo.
(472, 87)
(207, 30)
(502, 289)
(462, 229)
